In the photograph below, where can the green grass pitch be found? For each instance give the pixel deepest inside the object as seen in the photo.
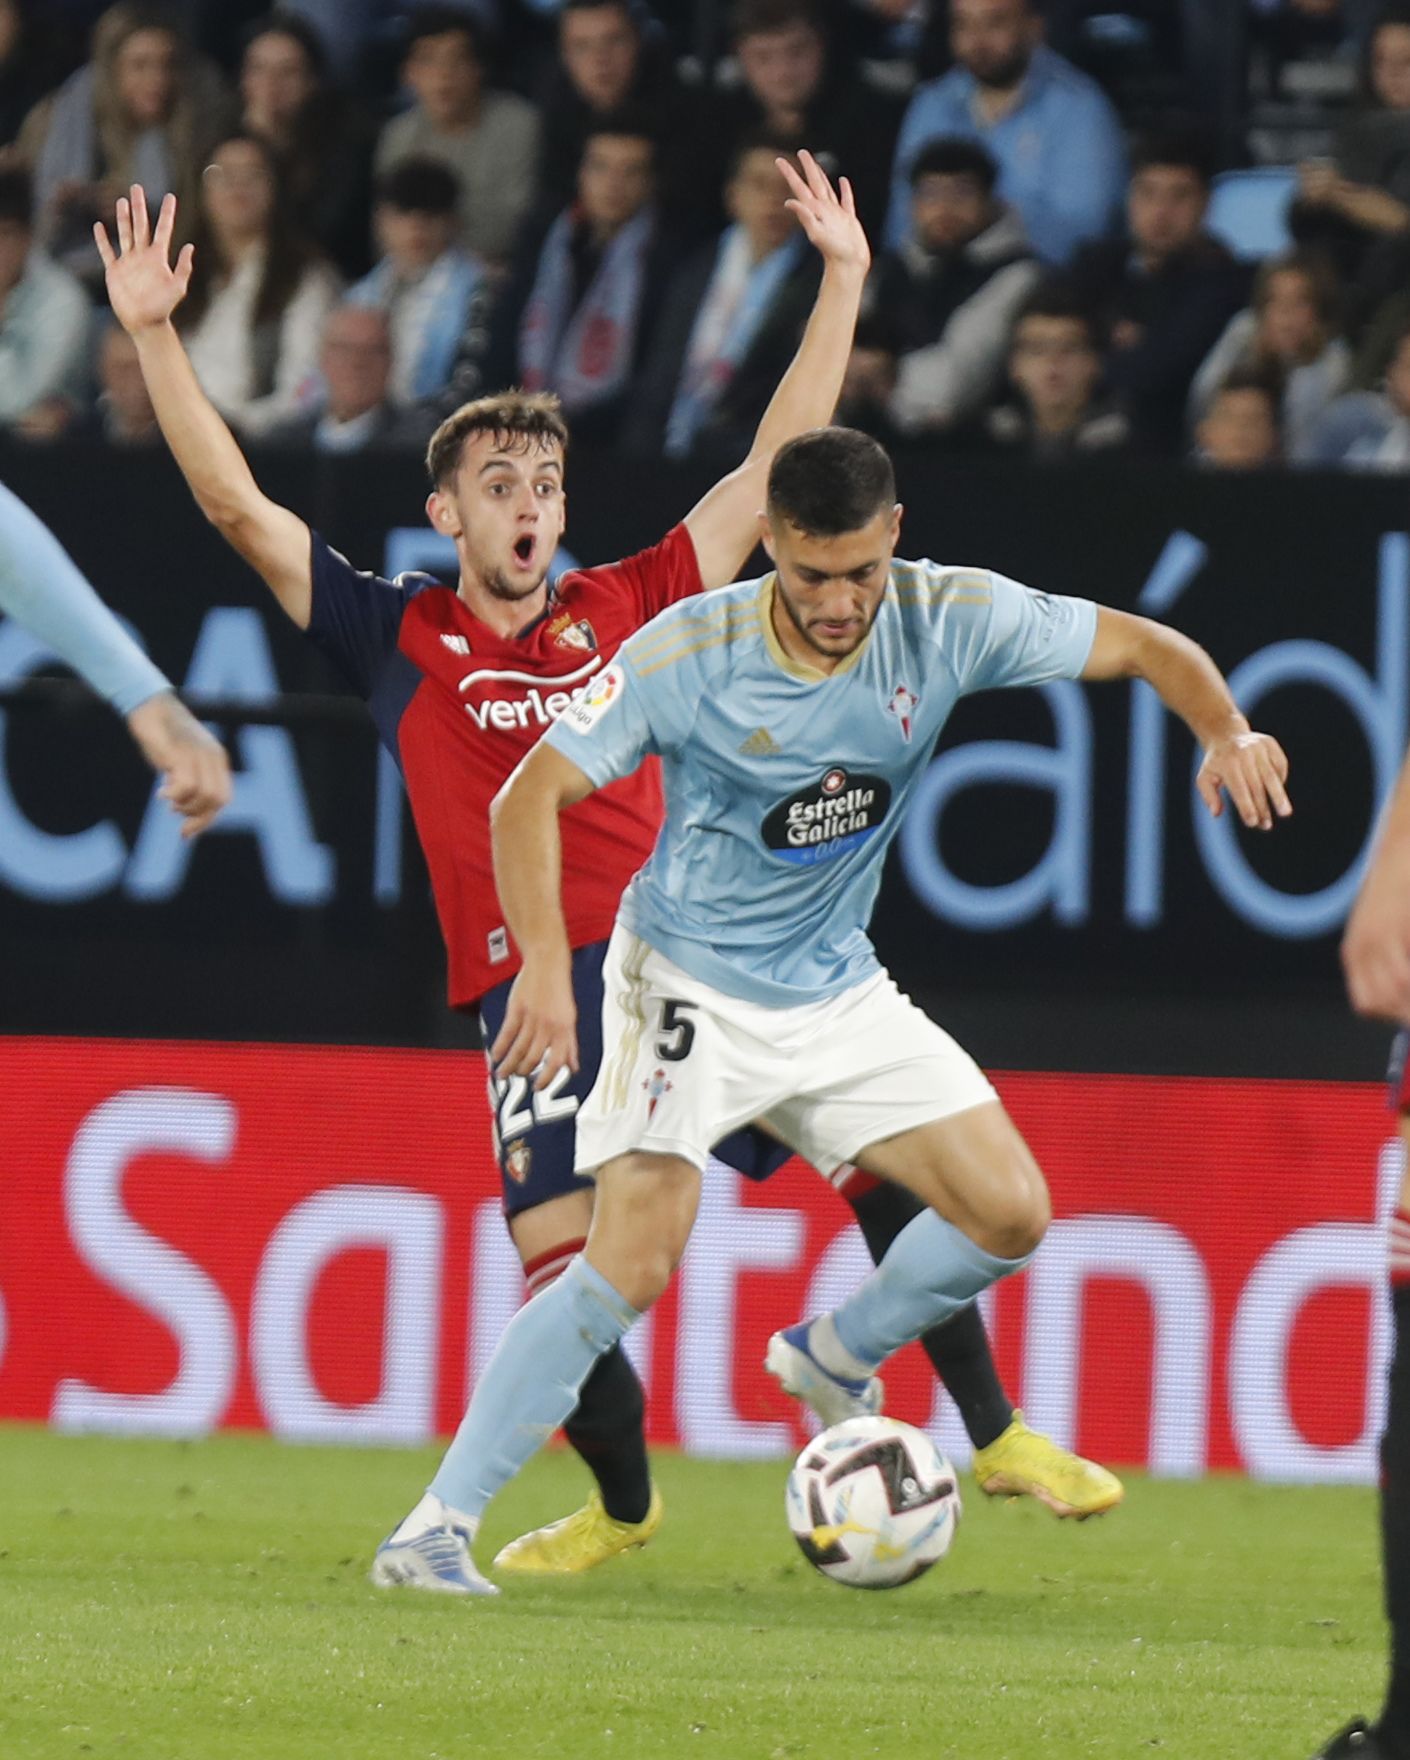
(207, 1601)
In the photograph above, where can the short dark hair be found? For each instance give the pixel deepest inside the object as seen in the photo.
(1188, 148)
(298, 30)
(629, 7)
(763, 139)
(519, 420)
(830, 481)
(443, 21)
(17, 196)
(1263, 379)
(1059, 298)
(418, 186)
(760, 18)
(952, 156)
(634, 122)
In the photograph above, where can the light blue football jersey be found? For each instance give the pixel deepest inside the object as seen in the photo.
(784, 785)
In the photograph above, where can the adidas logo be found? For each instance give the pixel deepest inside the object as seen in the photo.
(457, 644)
(761, 744)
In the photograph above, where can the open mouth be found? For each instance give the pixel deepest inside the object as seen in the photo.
(524, 549)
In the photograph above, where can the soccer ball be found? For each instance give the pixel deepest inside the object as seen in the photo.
(873, 1503)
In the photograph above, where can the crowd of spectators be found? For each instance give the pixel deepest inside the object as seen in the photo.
(395, 207)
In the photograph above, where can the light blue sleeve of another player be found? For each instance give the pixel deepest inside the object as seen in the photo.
(1025, 638)
(606, 731)
(42, 588)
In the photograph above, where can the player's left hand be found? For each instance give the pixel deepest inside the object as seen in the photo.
(828, 216)
(1253, 768)
(193, 766)
(540, 1032)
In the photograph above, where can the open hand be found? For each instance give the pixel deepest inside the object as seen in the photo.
(539, 1036)
(144, 287)
(1253, 768)
(828, 217)
(193, 766)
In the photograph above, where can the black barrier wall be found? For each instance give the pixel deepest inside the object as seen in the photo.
(1057, 850)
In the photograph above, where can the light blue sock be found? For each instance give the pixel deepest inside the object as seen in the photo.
(530, 1384)
(930, 1271)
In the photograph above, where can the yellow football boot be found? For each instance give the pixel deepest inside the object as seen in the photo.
(586, 1538)
(1021, 1463)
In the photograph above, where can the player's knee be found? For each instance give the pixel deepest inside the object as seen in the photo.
(1016, 1213)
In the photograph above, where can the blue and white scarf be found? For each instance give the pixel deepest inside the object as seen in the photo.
(584, 353)
(433, 314)
(736, 302)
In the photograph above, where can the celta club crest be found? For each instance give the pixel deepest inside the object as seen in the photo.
(903, 704)
(657, 1088)
(580, 635)
(517, 1158)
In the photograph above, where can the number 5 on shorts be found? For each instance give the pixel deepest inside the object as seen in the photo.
(677, 1032)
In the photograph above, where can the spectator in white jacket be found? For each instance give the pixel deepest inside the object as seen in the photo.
(947, 296)
(260, 294)
(1290, 330)
(44, 321)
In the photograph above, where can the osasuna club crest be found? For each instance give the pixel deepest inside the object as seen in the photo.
(902, 705)
(578, 634)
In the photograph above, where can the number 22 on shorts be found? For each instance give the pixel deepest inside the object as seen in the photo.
(517, 1106)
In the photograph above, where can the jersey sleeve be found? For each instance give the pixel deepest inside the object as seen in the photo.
(656, 578)
(355, 617)
(42, 588)
(606, 731)
(1021, 637)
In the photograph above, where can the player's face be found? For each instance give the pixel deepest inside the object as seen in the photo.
(506, 511)
(830, 589)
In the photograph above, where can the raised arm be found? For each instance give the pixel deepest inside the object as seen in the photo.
(144, 289)
(723, 526)
(1251, 766)
(540, 1021)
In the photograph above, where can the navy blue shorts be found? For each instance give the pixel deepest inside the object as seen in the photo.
(535, 1133)
(1399, 1073)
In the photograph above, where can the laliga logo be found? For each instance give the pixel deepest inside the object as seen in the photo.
(1061, 881)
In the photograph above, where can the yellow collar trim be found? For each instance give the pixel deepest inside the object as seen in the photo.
(779, 654)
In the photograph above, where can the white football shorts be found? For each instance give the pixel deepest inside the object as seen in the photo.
(684, 1065)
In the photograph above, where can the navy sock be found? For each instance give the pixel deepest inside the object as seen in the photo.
(1394, 1727)
(606, 1430)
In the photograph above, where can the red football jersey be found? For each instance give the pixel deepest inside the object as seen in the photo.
(459, 706)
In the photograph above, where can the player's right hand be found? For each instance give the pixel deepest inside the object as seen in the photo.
(540, 1032)
(144, 286)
